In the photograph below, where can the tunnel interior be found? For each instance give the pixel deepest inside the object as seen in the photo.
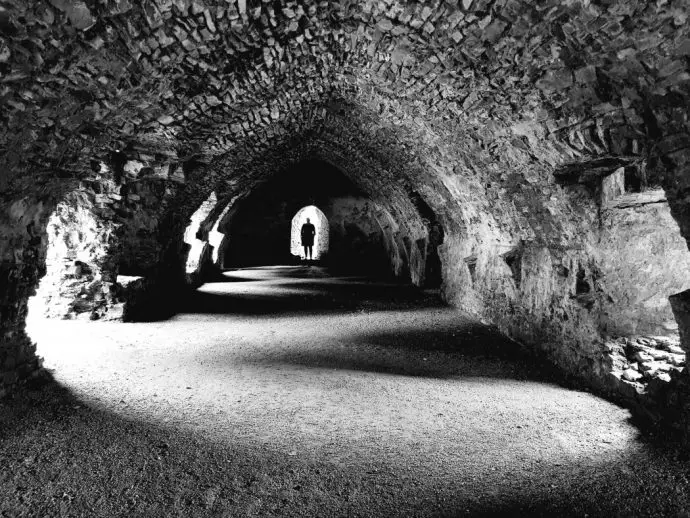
(261, 230)
(549, 205)
(520, 164)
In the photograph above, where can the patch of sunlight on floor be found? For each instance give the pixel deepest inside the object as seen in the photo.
(345, 385)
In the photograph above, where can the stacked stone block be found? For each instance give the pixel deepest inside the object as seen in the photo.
(472, 104)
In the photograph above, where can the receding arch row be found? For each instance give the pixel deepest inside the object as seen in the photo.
(256, 228)
(529, 281)
(387, 184)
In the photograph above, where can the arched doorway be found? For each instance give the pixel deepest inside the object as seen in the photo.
(319, 220)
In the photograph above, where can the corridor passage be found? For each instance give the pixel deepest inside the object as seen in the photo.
(285, 391)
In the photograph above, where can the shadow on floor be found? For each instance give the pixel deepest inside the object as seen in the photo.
(293, 300)
(452, 348)
(268, 273)
(439, 343)
(62, 456)
(279, 295)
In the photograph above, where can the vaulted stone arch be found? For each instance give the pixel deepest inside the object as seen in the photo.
(527, 128)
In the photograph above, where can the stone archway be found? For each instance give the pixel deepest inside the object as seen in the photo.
(321, 239)
(197, 247)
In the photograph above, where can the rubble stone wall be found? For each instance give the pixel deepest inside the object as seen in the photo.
(639, 246)
(23, 220)
(365, 238)
(81, 260)
(104, 249)
(509, 119)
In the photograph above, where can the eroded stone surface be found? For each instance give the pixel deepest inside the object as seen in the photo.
(510, 119)
(641, 359)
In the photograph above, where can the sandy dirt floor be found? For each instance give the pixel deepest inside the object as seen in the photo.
(286, 392)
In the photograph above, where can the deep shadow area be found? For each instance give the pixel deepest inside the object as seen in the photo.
(259, 233)
(462, 350)
(285, 290)
(420, 335)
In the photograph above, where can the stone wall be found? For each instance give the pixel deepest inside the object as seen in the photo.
(81, 258)
(23, 219)
(104, 249)
(640, 247)
(508, 119)
(589, 308)
(146, 190)
(365, 238)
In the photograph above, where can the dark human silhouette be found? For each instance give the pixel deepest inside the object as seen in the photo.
(308, 233)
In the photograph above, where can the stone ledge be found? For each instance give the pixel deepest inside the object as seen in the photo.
(638, 199)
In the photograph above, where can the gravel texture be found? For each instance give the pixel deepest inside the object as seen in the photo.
(282, 391)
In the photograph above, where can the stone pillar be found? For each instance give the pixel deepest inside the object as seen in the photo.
(680, 304)
(22, 262)
(18, 359)
(676, 399)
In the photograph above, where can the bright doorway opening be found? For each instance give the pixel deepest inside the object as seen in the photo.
(320, 222)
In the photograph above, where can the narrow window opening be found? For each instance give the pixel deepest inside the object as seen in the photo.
(471, 263)
(512, 259)
(633, 182)
(581, 285)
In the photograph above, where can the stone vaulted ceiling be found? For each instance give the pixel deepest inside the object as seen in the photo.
(538, 134)
(237, 77)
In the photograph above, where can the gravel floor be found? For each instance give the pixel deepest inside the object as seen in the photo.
(282, 391)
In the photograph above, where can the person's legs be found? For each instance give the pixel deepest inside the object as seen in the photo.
(306, 252)
(311, 250)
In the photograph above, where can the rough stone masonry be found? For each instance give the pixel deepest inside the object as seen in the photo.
(548, 138)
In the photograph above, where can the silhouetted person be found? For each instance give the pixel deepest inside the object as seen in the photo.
(308, 233)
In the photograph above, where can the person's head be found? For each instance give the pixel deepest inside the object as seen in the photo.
(308, 221)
